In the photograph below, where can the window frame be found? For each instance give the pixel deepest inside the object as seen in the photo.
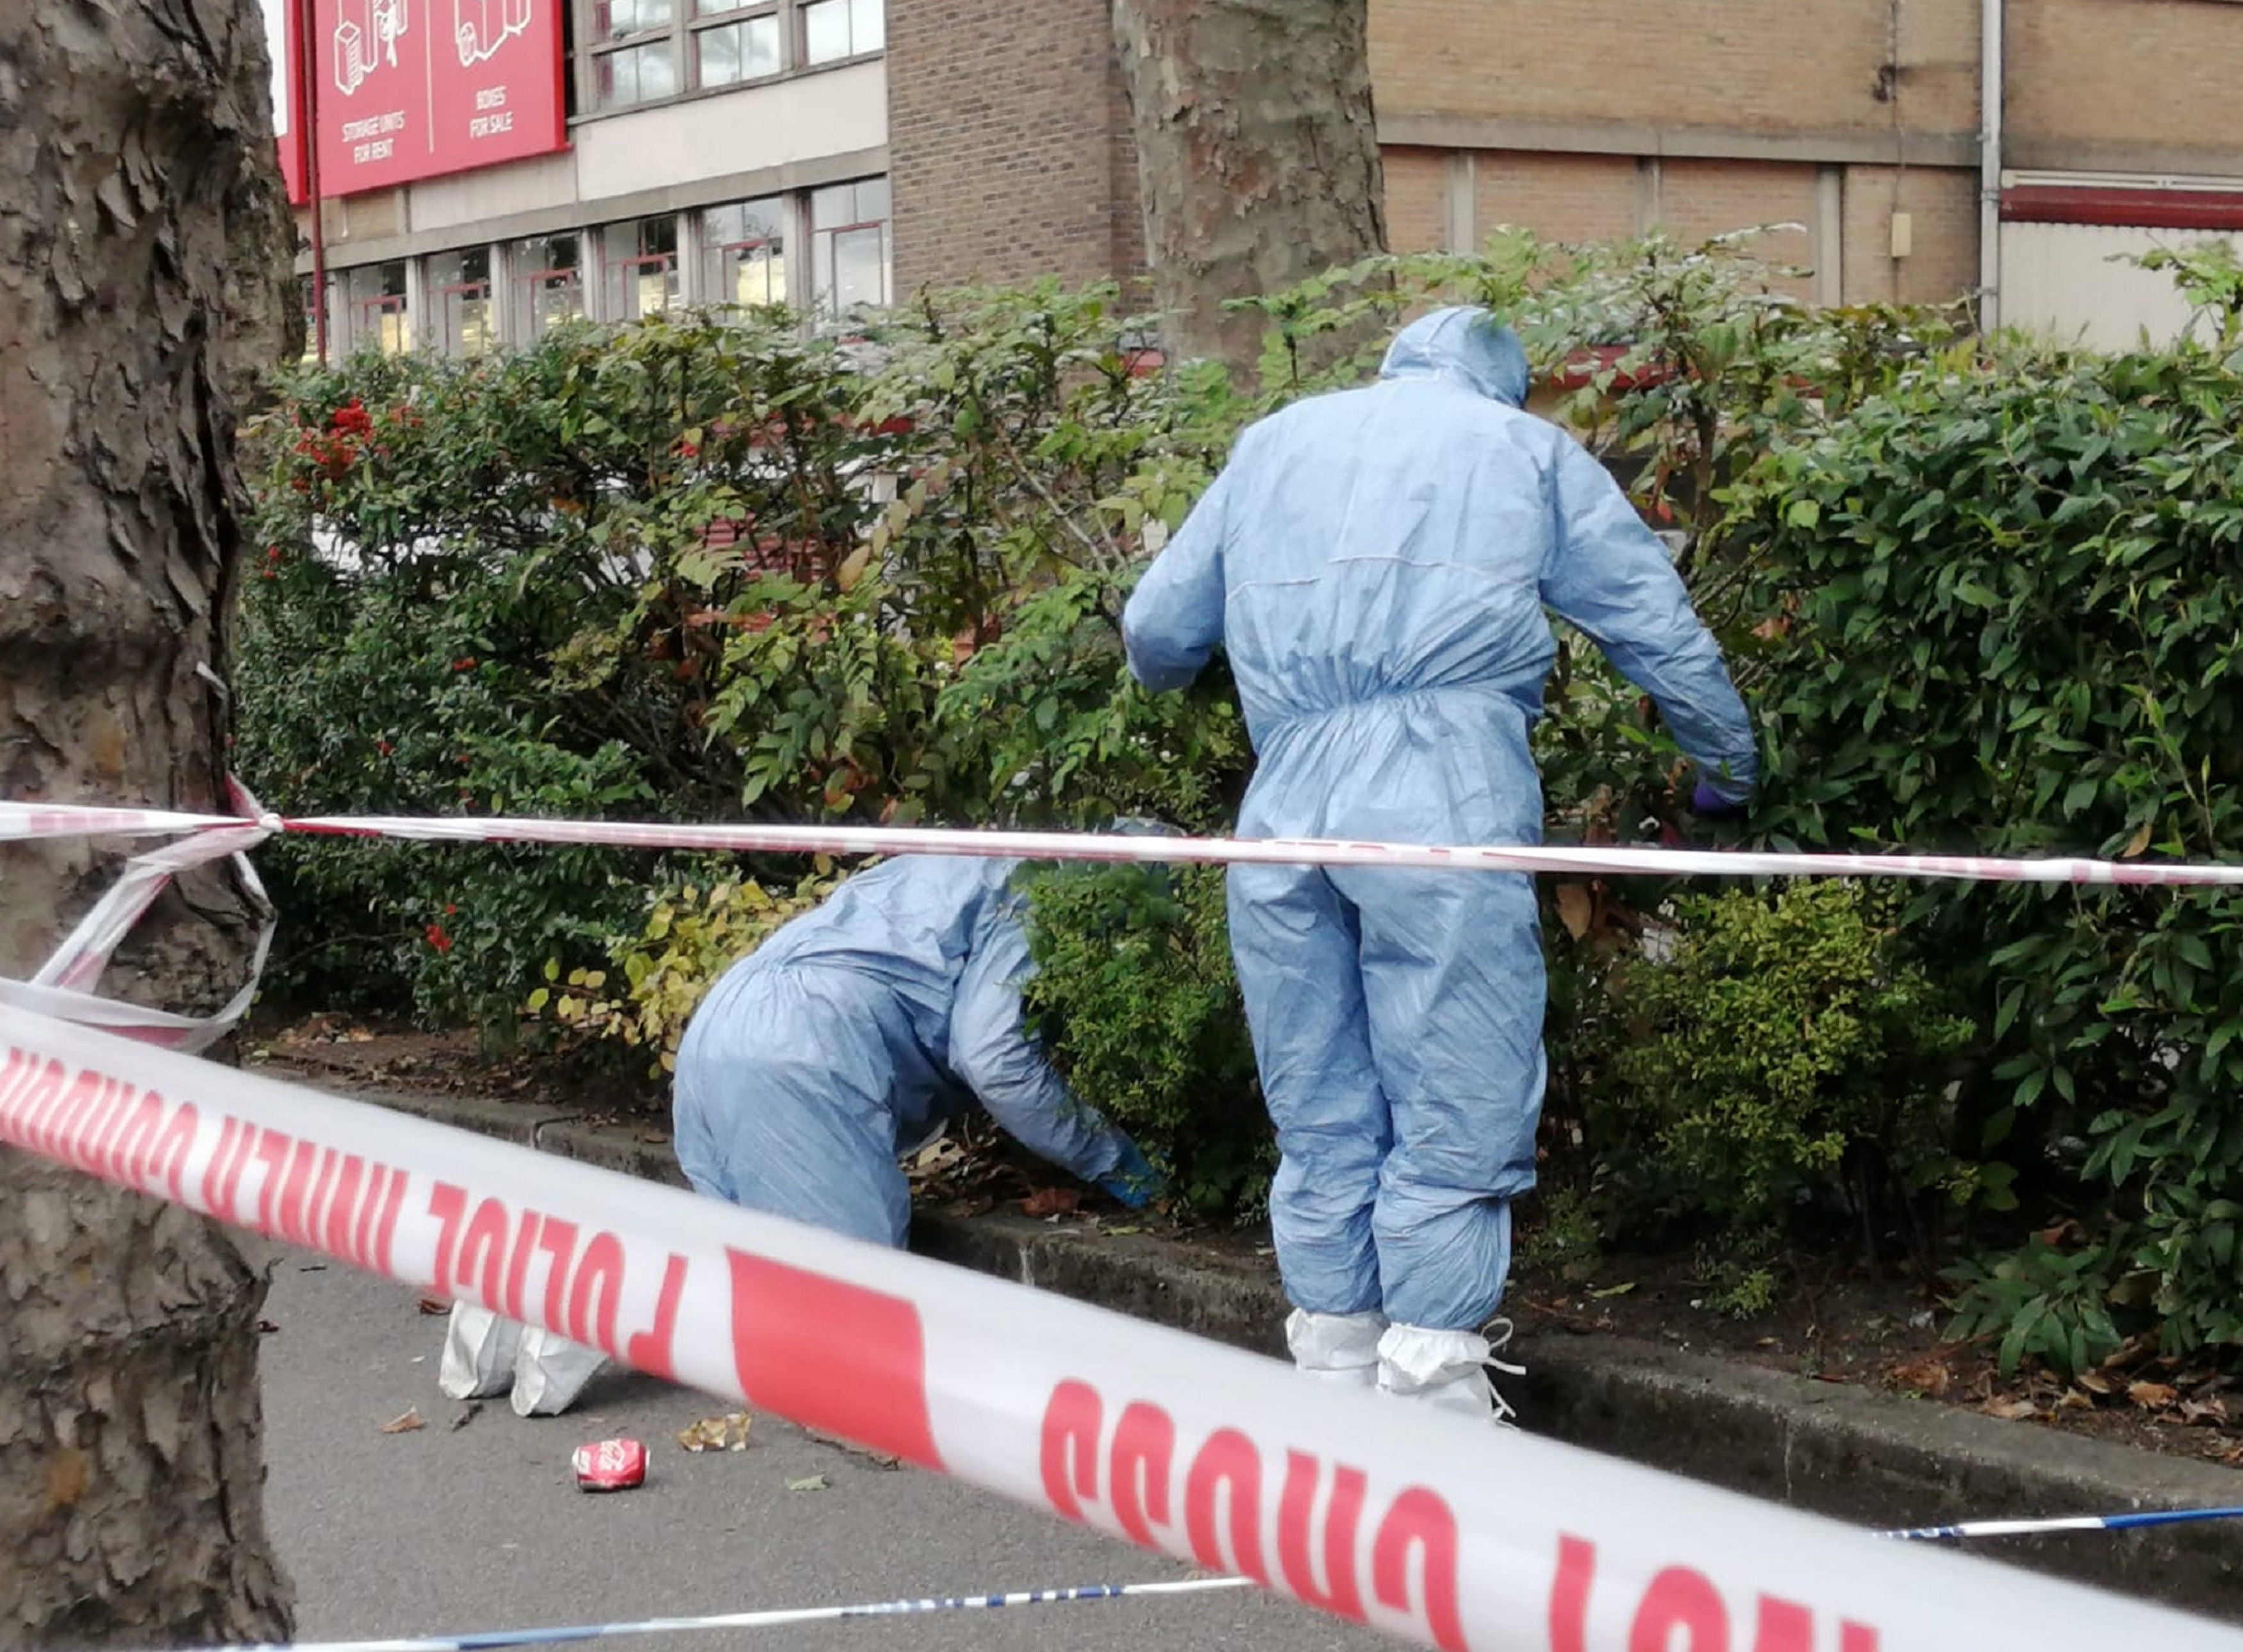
(821, 257)
(685, 23)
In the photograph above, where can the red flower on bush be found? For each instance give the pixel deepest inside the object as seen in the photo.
(465, 662)
(437, 939)
(352, 419)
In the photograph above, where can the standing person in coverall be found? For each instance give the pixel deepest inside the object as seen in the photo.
(1376, 564)
(850, 1037)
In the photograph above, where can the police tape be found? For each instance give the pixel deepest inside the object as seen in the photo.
(20, 820)
(1375, 1512)
(63, 987)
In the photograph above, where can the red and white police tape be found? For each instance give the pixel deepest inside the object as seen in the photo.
(20, 820)
(63, 987)
(1377, 1512)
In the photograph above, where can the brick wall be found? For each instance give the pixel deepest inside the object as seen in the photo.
(1417, 198)
(2141, 85)
(1752, 65)
(1009, 141)
(1563, 197)
(1942, 207)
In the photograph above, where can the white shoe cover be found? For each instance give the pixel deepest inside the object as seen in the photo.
(1340, 1348)
(550, 1371)
(1446, 1370)
(480, 1351)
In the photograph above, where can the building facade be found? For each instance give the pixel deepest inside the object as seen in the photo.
(829, 154)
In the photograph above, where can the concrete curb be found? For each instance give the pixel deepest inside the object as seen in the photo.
(1868, 1458)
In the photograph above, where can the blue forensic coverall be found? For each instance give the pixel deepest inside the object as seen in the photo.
(856, 1031)
(1376, 563)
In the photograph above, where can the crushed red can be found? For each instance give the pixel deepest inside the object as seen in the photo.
(611, 1465)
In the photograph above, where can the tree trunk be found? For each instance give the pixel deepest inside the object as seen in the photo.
(144, 280)
(1257, 155)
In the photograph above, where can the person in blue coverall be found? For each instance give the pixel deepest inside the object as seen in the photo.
(857, 1031)
(1376, 564)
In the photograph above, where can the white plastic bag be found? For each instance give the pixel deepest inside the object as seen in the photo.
(480, 1349)
(550, 1371)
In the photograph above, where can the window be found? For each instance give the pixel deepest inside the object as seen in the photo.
(743, 253)
(849, 245)
(635, 75)
(642, 51)
(310, 306)
(642, 267)
(832, 30)
(548, 283)
(739, 47)
(375, 296)
(460, 294)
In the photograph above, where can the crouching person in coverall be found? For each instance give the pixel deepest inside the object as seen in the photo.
(858, 1031)
(848, 1040)
(1376, 564)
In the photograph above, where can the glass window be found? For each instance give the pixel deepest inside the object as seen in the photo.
(832, 30)
(375, 294)
(635, 75)
(747, 50)
(613, 19)
(849, 247)
(548, 283)
(304, 296)
(743, 253)
(642, 264)
(460, 293)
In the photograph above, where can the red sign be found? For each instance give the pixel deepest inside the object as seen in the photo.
(411, 89)
(284, 44)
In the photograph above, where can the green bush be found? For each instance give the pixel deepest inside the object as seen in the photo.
(1779, 1058)
(2004, 611)
(1134, 998)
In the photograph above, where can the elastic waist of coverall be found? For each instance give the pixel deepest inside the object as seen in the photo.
(1276, 723)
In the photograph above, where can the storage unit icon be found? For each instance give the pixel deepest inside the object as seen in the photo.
(366, 32)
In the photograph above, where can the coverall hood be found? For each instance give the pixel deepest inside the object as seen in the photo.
(1465, 344)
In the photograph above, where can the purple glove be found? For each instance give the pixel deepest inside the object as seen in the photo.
(1710, 805)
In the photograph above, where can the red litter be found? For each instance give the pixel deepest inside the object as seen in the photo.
(611, 1465)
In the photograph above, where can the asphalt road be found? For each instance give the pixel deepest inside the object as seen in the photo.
(443, 1530)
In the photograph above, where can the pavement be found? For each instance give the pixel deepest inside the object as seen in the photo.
(443, 1529)
(1872, 1459)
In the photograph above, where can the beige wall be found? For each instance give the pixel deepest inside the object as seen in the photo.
(2128, 85)
(1756, 65)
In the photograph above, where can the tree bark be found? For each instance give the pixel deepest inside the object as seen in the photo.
(1257, 157)
(143, 282)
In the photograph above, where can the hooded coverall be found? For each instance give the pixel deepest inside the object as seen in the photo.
(1377, 562)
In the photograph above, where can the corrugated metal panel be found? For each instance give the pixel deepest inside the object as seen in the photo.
(2062, 280)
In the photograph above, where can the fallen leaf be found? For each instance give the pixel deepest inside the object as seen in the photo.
(2096, 1383)
(728, 1433)
(658, 1137)
(2151, 1396)
(404, 1424)
(473, 1409)
(435, 1304)
(1925, 1377)
(2212, 1410)
(265, 1327)
(1612, 1291)
(2074, 1400)
(808, 1483)
(359, 1035)
(1575, 907)
(1051, 1200)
